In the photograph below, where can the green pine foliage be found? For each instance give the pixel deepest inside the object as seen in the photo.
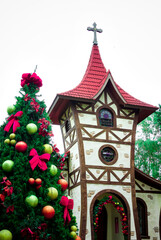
(15, 214)
(148, 145)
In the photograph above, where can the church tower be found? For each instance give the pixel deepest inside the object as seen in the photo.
(98, 120)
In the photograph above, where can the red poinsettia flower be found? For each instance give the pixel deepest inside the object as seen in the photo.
(2, 197)
(10, 209)
(8, 190)
(35, 105)
(55, 149)
(27, 98)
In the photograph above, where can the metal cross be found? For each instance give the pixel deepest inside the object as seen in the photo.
(94, 29)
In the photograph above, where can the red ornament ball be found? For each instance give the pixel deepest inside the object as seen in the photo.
(78, 238)
(48, 212)
(63, 183)
(31, 181)
(21, 146)
(38, 181)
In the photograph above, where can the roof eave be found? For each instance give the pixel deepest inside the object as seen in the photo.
(60, 103)
(143, 177)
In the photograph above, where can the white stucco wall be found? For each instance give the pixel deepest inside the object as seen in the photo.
(153, 202)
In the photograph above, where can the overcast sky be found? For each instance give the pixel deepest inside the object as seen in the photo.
(52, 34)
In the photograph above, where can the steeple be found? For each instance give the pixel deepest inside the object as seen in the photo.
(95, 80)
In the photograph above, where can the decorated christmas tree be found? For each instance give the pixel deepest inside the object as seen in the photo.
(33, 198)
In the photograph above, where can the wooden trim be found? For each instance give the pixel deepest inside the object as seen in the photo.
(101, 158)
(90, 173)
(74, 171)
(94, 112)
(160, 224)
(109, 168)
(127, 115)
(148, 191)
(134, 204)
(83, 216)
(139, 186)
(109, 183)
(104, 141)
(119, 196)
(112, 133)
(125, 176)
(74, 186)
(110, 128)
(143, 177)
(71, 145)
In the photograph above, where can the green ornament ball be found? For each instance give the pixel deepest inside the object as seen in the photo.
(53, 193)
(5, 235)
(13, 142)
(7, 141)
(73, 234)
(53, 170)
(48, 148)
(31, 128)
(12, 136)
(74, 228)
(32, 201)
(7, 165)
(11, 109)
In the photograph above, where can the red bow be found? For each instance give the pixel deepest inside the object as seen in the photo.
(13, 119)
(38, 160)
(68, 204)
(27, 78)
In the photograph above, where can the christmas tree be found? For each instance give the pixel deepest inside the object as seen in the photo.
(33, 199)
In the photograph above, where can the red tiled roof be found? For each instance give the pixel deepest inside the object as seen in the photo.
(94, 80)
(131, 100)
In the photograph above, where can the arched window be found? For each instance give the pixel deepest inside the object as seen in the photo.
(142, 214)
(67, 126)
(105, 117)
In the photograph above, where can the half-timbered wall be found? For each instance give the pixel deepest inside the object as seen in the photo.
(88, 175)
(151, 197)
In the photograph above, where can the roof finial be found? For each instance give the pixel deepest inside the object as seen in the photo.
(35, 69)
(94, 29)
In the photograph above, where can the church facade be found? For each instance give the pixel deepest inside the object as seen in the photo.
(112, 199)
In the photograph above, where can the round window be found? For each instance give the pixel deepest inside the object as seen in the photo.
(108, 154)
